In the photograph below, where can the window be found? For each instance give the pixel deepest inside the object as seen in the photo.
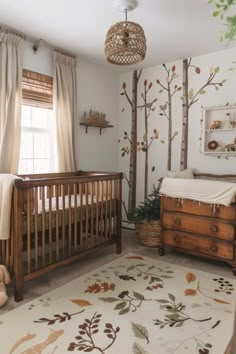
(37, 150)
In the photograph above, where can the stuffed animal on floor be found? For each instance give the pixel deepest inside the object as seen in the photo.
(4, 279)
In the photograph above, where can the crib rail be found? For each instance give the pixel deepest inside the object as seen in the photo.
(56, 219)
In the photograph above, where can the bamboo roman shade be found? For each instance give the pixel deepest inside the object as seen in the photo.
(37, 89)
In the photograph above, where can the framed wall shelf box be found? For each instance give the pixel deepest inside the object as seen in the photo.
(218, 136)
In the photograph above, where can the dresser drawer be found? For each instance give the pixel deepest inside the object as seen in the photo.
(198, 208)
(198, 225)
(201, 245)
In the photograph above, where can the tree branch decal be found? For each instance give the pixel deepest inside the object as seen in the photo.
(132, 150)
(145, 145)
(171, 76)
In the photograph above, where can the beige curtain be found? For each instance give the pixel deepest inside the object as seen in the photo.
(64, 86)
(11, 61)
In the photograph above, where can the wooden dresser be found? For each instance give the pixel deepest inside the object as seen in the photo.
(200, 229)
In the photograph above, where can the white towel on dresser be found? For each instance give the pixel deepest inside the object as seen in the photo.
(6, 186)
(211, 192)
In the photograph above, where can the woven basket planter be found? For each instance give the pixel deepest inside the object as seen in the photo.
(149, 233)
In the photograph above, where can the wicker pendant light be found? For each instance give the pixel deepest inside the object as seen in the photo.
(125, 41)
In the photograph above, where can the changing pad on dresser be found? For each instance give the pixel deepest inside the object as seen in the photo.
(207, 191)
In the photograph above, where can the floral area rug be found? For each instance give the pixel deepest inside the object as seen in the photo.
(133, 305)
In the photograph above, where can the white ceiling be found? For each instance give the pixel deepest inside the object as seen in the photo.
(174, 29)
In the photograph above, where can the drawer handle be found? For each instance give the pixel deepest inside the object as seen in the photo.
(177, 221)
(213, 248)
(178, 204)
(177, 239)
(214, 228)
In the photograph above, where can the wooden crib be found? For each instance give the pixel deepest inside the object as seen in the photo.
(57, 218)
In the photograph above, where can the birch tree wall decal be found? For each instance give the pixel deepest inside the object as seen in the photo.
(171, 76)
(145, 145)
(132, 181)
(189, 98)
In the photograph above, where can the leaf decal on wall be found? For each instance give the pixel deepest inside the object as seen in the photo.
(137, 349)
(190, 94)
(140, 331)
(202, 92)
(81, 302)
(190, 277)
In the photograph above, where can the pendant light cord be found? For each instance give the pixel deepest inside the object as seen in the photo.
(126, 15)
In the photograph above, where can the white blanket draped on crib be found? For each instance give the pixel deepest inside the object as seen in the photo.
(6, 185)
(211, 192)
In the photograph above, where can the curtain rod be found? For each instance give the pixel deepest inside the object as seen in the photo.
(37, 43)
(42, 43)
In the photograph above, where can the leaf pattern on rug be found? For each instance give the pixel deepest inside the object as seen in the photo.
(175, 316)
(150, 273)
(138, 349)
(135, 306)
(126, 302)
(200, 340)
(81, 302)
(37, 348)
(87, 331)
(57, 318)
(98, 288)
(125, 277)
(224, 286)
(140, 331)
(190, 277)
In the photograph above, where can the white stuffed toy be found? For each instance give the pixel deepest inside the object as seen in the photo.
(4, 279)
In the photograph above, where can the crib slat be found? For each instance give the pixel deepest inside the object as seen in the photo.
(110, 209)
(97, 211)
(29, 197)
(86, 216)
(75, 215)
(69, 220)
(50, 195)
(43, 227)
(57, 192)
(106, 211)
(63, 222)
(81, 189)
(36, 240)
(92, 216)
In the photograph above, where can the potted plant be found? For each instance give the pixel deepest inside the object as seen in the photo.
(146, 218)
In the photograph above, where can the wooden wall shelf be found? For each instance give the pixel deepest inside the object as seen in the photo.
(100, 126)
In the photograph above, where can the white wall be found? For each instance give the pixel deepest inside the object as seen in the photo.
(97, 90)
(200, 162)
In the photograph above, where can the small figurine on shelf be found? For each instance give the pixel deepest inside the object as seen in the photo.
(231, 147)
(216, 124)
(213, 145)
(233, 124)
